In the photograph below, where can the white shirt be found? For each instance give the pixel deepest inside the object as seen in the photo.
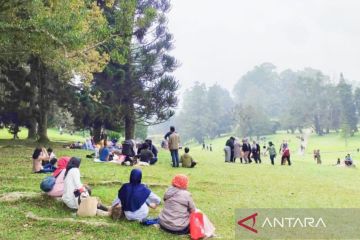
(52, 155)
(143, 211)
(71, 183)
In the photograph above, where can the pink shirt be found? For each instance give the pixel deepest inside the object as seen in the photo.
(58, 188)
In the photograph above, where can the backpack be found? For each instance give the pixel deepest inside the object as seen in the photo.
(127, 148)
(47, 183)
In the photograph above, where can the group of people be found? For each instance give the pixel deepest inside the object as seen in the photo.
(44, 160)
(128, 153)
(347, 162)
(132, 201)
(207, 147)
(247, 152)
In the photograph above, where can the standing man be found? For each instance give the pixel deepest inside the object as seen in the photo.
(231, 143)
(173, 142)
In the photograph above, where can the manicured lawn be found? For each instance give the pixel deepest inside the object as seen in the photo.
(217, 188)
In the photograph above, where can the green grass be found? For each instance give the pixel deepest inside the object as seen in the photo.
(217, 188)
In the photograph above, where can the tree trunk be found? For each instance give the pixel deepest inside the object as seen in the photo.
(130, 123)
(97, 131)
(43, 124)
(32, 131)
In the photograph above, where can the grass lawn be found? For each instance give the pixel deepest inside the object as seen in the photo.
(217, 188)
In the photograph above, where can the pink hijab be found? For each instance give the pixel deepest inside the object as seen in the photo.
(61, 165)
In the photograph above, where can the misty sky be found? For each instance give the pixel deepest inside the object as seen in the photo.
(219, 41)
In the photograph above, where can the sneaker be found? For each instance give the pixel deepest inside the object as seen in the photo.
(148, 221)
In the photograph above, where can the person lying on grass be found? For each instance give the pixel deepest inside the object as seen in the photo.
(59, 173)
(178, 205)
(74, 190)
(186, 159)
(136, 198)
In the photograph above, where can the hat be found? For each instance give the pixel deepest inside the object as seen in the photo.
(180, 181)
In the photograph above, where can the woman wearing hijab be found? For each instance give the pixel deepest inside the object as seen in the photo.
(135, 198)
(74, 190)
(178, 205)
(285, 155)
(59, 174)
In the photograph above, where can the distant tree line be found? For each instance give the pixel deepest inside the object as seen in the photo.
(265, 101)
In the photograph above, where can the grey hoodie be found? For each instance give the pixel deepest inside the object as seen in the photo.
(178, 204)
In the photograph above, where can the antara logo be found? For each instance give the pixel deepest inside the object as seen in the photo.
(241, 222)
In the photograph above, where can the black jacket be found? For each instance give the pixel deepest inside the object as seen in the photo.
(230, 143)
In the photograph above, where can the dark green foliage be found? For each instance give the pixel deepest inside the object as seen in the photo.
(137, 83)
(348, 109)
(206, 112)
(251, 121)
(298, 100)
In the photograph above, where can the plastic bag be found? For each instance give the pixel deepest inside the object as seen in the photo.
(197, 230)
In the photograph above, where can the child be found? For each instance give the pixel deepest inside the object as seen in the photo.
(186, 160)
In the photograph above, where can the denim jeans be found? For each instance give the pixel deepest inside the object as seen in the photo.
(272, 158)
(153, 160)
(175, 157)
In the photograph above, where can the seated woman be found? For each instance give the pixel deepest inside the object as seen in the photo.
(146, 154)
(135, 198)
(153, 149)
(105, 153)
(59, 174)
(39, 156)
(51, 166)
(348, 160)
(129, 152)
(178, 205)
(74, 190)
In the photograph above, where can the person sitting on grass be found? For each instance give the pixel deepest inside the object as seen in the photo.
(74, 190)
(59, 173)
(104, 153)
(153, 149)
(39, 156)
(51, 153)
(146, 155)
(136, 198)
(178, 205)
(50, 167)
(348, 160)
(186, 160)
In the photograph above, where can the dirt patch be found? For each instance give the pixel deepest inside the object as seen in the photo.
(32, 216)
(16, 196)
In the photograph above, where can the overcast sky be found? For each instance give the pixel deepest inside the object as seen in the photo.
(219, 41)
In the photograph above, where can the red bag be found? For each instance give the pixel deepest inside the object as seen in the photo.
(197, 230)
